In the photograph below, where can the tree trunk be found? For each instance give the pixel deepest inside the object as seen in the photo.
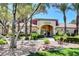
(26, 37)
(77, 23)
(31, 28)
(2, 28)
(5, 27)
(13, 43)
(18, 26)
(64, 23)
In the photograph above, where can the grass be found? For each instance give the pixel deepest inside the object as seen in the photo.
(63, 52)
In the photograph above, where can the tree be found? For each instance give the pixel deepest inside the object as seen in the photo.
(17, 34)
(76, 8)
(63, 7)
(13, 41)
(24, 10)
(4, 17)
(73, 22)
(41, 9)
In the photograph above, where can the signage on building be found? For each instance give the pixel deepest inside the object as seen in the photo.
(47, 23)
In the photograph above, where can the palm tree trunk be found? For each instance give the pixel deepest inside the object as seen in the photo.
(77, 25)
(31, 28)
(77, 22)
(64, 23)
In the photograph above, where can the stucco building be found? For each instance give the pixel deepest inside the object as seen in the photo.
(50, 26)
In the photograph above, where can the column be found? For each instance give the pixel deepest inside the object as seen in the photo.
(54, 31)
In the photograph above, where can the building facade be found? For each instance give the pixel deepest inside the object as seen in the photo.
(51, 26)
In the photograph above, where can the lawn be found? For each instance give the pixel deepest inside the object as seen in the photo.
(63, 52)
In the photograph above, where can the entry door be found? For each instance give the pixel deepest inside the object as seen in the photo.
(47, 30)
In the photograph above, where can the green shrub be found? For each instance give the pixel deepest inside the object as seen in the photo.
(22, 34)
(77, 36)
(63, 52)
(10, 34)
(64, 37)
(42, 53)
(56, 37)
(59, 37)
(46, 41)
(60, 33)
(73, 39)
(34, 36)
(40, 36)
(2, 41)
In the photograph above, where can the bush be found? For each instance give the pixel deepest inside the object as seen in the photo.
(59, 37)
(77, 36)
(63, 52)
(2, 41)
(59, 33)
(73, 39)
(42, 53)
(40, 36)
(22, 34)
(10, 34)
(56, 37)
(34, 36)
(64, 36)
(46, 41)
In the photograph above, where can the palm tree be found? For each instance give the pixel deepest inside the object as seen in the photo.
(63, 7)
(76, 8)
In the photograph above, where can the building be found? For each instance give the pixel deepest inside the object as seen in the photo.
(45, 25)
(50, 26)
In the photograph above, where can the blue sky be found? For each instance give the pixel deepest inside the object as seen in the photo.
(54, 13)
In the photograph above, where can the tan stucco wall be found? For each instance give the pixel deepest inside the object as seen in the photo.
(40, 23)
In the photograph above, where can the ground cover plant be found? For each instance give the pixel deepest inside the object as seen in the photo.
(63, 52)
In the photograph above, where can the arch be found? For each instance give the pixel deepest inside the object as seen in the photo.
(47, 29)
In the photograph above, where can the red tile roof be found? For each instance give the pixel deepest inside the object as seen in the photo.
(68, 25)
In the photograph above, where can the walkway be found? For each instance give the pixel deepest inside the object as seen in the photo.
(65, 45)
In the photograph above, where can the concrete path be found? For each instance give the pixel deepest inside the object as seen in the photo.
(51, 39)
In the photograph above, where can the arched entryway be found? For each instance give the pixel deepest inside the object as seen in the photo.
(47, 30)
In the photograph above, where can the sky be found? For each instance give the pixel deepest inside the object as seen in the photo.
(54, 13)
